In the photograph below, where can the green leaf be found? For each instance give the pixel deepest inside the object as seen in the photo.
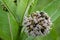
(11, 6)
(30, 7)
(23, 36)
(21, 7)
(8, 26)
(51, 7)
(57, 27)
(53, 10)
(40, 5)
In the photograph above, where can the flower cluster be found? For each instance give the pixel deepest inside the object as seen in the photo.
(38, 23)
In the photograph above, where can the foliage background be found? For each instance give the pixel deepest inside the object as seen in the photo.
(11, 22)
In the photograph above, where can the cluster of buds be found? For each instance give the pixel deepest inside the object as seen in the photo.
(38, 23)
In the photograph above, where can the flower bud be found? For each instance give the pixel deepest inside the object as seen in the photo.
(38, 23)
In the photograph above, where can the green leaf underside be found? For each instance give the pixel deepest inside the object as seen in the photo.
(21, 7)
(51, 7)
(11, 7)
(8, 26)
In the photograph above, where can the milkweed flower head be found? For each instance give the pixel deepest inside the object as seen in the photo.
(38, 23)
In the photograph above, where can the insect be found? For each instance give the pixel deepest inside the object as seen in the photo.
(4, 7)
(15, 1)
